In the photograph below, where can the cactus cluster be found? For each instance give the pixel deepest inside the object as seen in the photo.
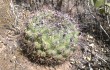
(52, 37)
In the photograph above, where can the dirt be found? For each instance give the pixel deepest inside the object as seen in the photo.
(12, 59)
(89, 55)
(10, 56)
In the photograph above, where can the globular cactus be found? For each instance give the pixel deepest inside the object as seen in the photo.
(52, 35)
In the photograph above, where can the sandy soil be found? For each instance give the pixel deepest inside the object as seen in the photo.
(86, 57)
(10, 56)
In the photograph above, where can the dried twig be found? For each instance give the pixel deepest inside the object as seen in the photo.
(97, 21)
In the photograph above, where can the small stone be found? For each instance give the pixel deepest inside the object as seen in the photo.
(88, 58)
(83, 67)
(72, 61)
(0, 41)
(14, 57)
(92, 45)
(89, 36)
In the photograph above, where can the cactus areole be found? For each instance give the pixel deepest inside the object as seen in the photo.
(50, 37)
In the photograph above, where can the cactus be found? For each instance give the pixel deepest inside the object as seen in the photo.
(52, 37)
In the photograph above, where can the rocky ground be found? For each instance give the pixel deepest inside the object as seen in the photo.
(90, 54)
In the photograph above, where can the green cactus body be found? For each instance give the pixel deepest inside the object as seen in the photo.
(51, 36)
